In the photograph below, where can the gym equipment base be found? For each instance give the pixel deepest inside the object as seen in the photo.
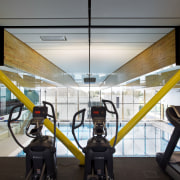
(125, 168)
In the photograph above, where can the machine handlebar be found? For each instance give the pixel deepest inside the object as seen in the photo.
(52, 108)
(77, 126)
(52, 116)
(12, 110)
(38, 129)
(20, 106)
(105, 102)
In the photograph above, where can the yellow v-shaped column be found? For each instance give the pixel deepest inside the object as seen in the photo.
(7, 82)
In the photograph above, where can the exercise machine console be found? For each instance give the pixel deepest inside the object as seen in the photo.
(41, 152)
(169, 161)
(98, 152)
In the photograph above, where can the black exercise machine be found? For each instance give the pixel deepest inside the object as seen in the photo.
(41, 152)
(169, 161)
(98, 152)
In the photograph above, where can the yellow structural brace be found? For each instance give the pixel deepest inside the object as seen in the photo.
(77, 153)
(172, 82)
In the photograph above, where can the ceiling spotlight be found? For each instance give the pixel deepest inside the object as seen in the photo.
(53, 38)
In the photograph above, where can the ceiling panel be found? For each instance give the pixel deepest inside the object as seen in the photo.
(174, 21)
(82, 46)
(110, 47)
(103, 12)
(43, 9)
(30, 38)
(48, 30)
(126, 38)
(132, 30)
(135, 9)
(58, 45)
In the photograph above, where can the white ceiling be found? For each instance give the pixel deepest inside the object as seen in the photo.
(111, 46)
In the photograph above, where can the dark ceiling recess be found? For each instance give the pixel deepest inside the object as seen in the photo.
(1, 46)
(177, 45)
(89, 80)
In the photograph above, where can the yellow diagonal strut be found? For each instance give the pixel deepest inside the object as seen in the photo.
(169, 85)
(7, 82)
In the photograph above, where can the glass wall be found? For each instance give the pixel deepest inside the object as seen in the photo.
(155, 112)
(117, 99)
(83, 99)
(67, 101)
(129, 100)
(62, 103)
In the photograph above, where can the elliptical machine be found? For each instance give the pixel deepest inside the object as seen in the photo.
(41, 152)
(98, 152)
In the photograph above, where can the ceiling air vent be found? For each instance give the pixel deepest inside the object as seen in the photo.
(53, 38)
(89, 80)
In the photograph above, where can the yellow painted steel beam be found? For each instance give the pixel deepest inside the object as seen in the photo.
(169, 85)
(77, 153)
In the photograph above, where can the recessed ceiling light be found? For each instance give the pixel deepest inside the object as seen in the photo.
(53, 38)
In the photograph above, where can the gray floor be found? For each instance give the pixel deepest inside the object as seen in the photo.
(13, 168)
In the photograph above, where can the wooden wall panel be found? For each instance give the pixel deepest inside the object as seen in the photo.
(18, 55)
(160, 54)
